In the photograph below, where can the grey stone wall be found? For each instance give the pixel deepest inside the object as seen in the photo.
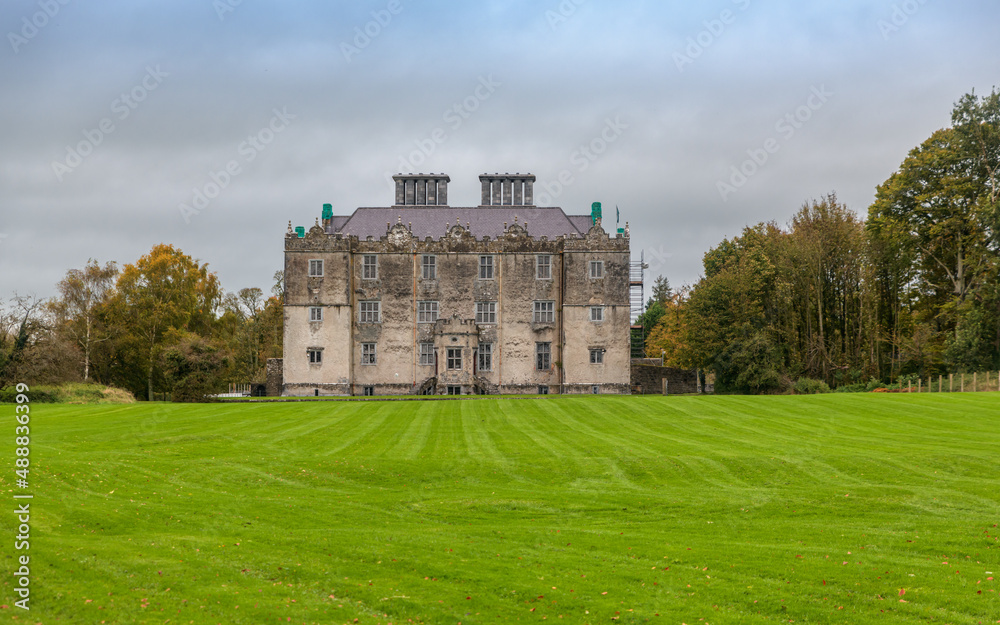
(400, 286)
(649, 378)
(275, 377)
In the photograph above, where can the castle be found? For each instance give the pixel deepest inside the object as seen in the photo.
(424, 298)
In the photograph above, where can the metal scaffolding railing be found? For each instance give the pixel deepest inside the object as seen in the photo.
(637, 302)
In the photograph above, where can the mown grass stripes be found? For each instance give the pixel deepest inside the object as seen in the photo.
(696, 509)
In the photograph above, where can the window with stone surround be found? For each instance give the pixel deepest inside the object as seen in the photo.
(486, 357)
(543, 265)
(486, 313)
(543, 356)
(597, 269)
(427, 353)
(369, 266)
(428, 264)
(368, 354)
(485, 267)
(370, 312)
(427, 312)
(545, 312)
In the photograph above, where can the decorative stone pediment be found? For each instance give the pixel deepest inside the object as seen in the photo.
(458, 233)
(516, 230)
(400, 236)
(596, 233)
(316, 231)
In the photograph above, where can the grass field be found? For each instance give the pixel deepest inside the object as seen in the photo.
(808, 509)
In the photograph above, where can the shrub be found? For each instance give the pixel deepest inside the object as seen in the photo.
(194, 367)
(71, 393)
(873, 384)
(860, 387)
(37, 395)
(808, 386)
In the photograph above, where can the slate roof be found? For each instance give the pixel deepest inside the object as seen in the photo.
(432, 221)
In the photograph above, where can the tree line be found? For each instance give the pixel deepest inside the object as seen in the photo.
(913, 289)
(160, 326)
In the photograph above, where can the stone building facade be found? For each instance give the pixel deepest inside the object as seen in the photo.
(424, 298)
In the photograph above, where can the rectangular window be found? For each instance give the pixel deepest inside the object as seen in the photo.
(543, 390)
(427, 353)
(597, 269)
(369, 391)
(369, 312)
(486, 356)
(597, 313)
(486, 312)
(370, 267)
(315, 356)
(315, 313)
(485, 267)
(543, 356)
(595, 389)
(597, 356)
(315, 268)
(368, 354)
(545, 312)
(454, 358)
(429, 265)
(454, 390)
(427, 312)
(543, 264)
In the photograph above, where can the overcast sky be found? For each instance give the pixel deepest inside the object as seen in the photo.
(117, 115)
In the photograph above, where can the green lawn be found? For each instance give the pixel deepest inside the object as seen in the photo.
(812, 509)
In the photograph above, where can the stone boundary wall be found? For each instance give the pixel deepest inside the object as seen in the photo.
(275, 377)
(648, 380)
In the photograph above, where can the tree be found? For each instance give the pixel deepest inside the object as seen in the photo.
(650, 317)
(82, 292)
(661, 291)
(164, 290)
(244, 312)
(977, 125)
(939, 213)
(828, 324)
(278, 288)
(935, 198)
(669, 337)
(20, 328)
(731, 312)
(193, 366)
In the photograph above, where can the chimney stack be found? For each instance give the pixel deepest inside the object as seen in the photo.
(421, 189)
(508, 189)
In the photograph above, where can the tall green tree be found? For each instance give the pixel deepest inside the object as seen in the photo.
(82, 294)
(164, 290)
(828, 324)
(939, 215)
